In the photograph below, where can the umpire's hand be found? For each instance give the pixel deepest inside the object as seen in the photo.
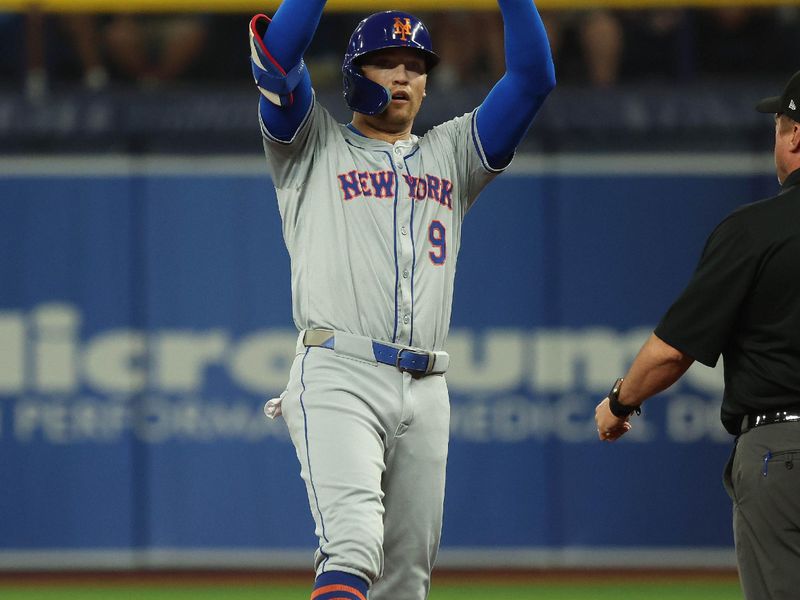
(609, 427)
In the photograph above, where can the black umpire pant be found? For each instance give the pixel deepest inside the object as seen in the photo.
(763, 480)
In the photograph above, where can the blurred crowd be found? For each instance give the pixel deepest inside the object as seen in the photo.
(40, 52)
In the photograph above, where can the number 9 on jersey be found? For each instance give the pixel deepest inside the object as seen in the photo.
(437, 238)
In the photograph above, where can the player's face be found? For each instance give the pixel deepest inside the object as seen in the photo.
(403, 72)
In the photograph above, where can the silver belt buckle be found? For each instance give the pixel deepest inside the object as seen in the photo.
(397, 360)
(431, 359)
(399, 357)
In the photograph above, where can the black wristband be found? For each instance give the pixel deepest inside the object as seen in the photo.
(620, 410)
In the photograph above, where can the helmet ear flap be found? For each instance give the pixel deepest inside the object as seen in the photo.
(362, 94)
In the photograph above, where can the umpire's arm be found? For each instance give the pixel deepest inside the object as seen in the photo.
(657, 366)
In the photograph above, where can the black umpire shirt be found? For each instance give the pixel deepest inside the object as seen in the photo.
(743, 302)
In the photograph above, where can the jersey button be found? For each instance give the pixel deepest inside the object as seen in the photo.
(403, 230)
(406, 319)
(405, 274)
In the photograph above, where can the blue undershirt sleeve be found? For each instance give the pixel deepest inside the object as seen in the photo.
(507, 112)
(287, 38)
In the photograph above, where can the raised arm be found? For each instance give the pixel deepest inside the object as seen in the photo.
(508, 111)
(286, 85)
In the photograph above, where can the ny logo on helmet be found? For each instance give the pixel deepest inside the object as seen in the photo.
(402, 27)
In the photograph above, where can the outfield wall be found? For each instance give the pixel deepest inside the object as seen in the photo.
(145, 317)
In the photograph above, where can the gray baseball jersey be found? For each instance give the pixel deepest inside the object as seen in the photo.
(373, 229)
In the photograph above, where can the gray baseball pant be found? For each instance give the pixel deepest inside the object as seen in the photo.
(763, 480)
(372, 446)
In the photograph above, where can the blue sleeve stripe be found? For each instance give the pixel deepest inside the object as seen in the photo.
(476, 140)
(265, 132)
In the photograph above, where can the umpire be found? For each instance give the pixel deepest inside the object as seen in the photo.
(743, 302)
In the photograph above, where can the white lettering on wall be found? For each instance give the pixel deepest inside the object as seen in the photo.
(181, 358)
(115, 361)
(260, 363)
(12, 352)
(154, 384)
(55, 341)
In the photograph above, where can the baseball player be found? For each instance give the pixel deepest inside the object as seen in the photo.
(372, 220)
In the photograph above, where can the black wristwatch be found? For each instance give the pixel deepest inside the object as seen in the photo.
(620, 410)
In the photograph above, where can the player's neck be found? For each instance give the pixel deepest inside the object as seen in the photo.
(373, 129)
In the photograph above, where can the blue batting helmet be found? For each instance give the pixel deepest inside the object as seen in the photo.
(389, 29)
